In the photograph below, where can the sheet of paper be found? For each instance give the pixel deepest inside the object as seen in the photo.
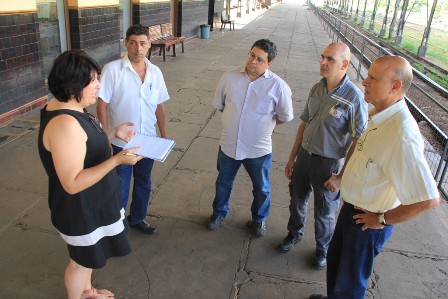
(153, 147)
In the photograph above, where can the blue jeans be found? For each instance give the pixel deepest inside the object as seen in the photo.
(258, 170)
(309, 175)
(141, 191)
(351, 255)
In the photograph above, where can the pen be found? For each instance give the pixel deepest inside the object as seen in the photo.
(130, 154)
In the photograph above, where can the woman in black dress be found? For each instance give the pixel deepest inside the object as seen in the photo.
(84, 193)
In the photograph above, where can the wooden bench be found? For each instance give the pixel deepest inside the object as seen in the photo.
(162, 37)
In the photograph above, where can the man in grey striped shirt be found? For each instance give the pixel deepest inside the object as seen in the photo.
(333, 119)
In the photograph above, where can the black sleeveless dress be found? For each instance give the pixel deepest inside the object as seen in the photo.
(92, 222)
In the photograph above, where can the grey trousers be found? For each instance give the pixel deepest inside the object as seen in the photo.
(309, 174)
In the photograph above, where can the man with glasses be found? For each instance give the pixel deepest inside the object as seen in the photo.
(253, 100)
(386, 182)
(332, 120)
(133, 89)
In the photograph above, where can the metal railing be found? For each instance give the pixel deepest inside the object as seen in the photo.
(366, 51)
(411, 31)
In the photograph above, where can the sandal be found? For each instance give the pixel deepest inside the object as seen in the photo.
(97, 294)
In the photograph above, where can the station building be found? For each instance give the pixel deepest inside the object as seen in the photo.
(34, 32)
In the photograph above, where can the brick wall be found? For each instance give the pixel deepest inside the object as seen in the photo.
(151, 13)
(192, 13)
(97, 31)
(21, 67)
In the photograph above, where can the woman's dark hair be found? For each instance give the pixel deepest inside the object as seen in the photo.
(72, 71)
(137, 29)
(267, 46)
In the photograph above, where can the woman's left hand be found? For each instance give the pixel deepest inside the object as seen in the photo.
(125, 131)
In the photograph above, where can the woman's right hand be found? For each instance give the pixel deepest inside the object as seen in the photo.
(128, 157)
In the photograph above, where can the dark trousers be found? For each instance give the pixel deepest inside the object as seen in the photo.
(141, 191)
(310, 173)
(351, 255)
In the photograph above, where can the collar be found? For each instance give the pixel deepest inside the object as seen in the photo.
(125, 62)
(343, 82)
(378, 118)
(266, 74)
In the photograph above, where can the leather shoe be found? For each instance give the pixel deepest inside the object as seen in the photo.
(257, 228)
(144, 227)
(318, 296)
(320, 260)
(215, 222)
(287, 243)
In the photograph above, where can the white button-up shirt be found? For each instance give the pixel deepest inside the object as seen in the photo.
(388, 167)
(129, 99)
(249, 112)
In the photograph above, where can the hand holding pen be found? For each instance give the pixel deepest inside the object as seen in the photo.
(128, 157)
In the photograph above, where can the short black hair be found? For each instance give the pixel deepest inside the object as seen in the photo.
(137, 29)
(72, 71)
(267, 46)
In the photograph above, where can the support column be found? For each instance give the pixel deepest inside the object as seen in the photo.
(95, 28)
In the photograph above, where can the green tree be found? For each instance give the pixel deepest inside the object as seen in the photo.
(393, 23)
(383, 27)
(441, 10)
(415, 5)
(372, 19)
(357, 10)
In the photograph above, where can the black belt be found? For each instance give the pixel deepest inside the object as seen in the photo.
(316, 155)
(352, 207)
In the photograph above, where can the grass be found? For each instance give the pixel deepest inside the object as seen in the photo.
(413, 48)
(437, 48)
(409, 46)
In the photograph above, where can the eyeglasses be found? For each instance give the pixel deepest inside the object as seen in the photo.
(360, 145)
(252, 56)
(94, 120)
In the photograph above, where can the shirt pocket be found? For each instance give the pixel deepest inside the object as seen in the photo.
(373, 176)
(264, 105)
(337, 117)
(313, 107)
(153, 98)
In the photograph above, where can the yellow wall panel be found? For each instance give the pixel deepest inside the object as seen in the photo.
(148, 1)
(92, 3)
(17, 6)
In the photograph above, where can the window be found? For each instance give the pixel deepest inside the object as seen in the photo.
(51, 16)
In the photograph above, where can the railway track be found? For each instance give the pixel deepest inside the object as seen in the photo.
(427, 103)
(427, 68)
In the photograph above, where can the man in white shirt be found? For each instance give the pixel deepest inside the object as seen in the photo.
(133, 89)
(253, 100)
(386, 181)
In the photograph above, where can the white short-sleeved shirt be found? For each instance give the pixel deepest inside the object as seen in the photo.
(249, 112)
(129, 100)
(388, 166)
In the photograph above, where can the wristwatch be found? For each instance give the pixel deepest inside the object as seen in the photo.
(381, 219)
